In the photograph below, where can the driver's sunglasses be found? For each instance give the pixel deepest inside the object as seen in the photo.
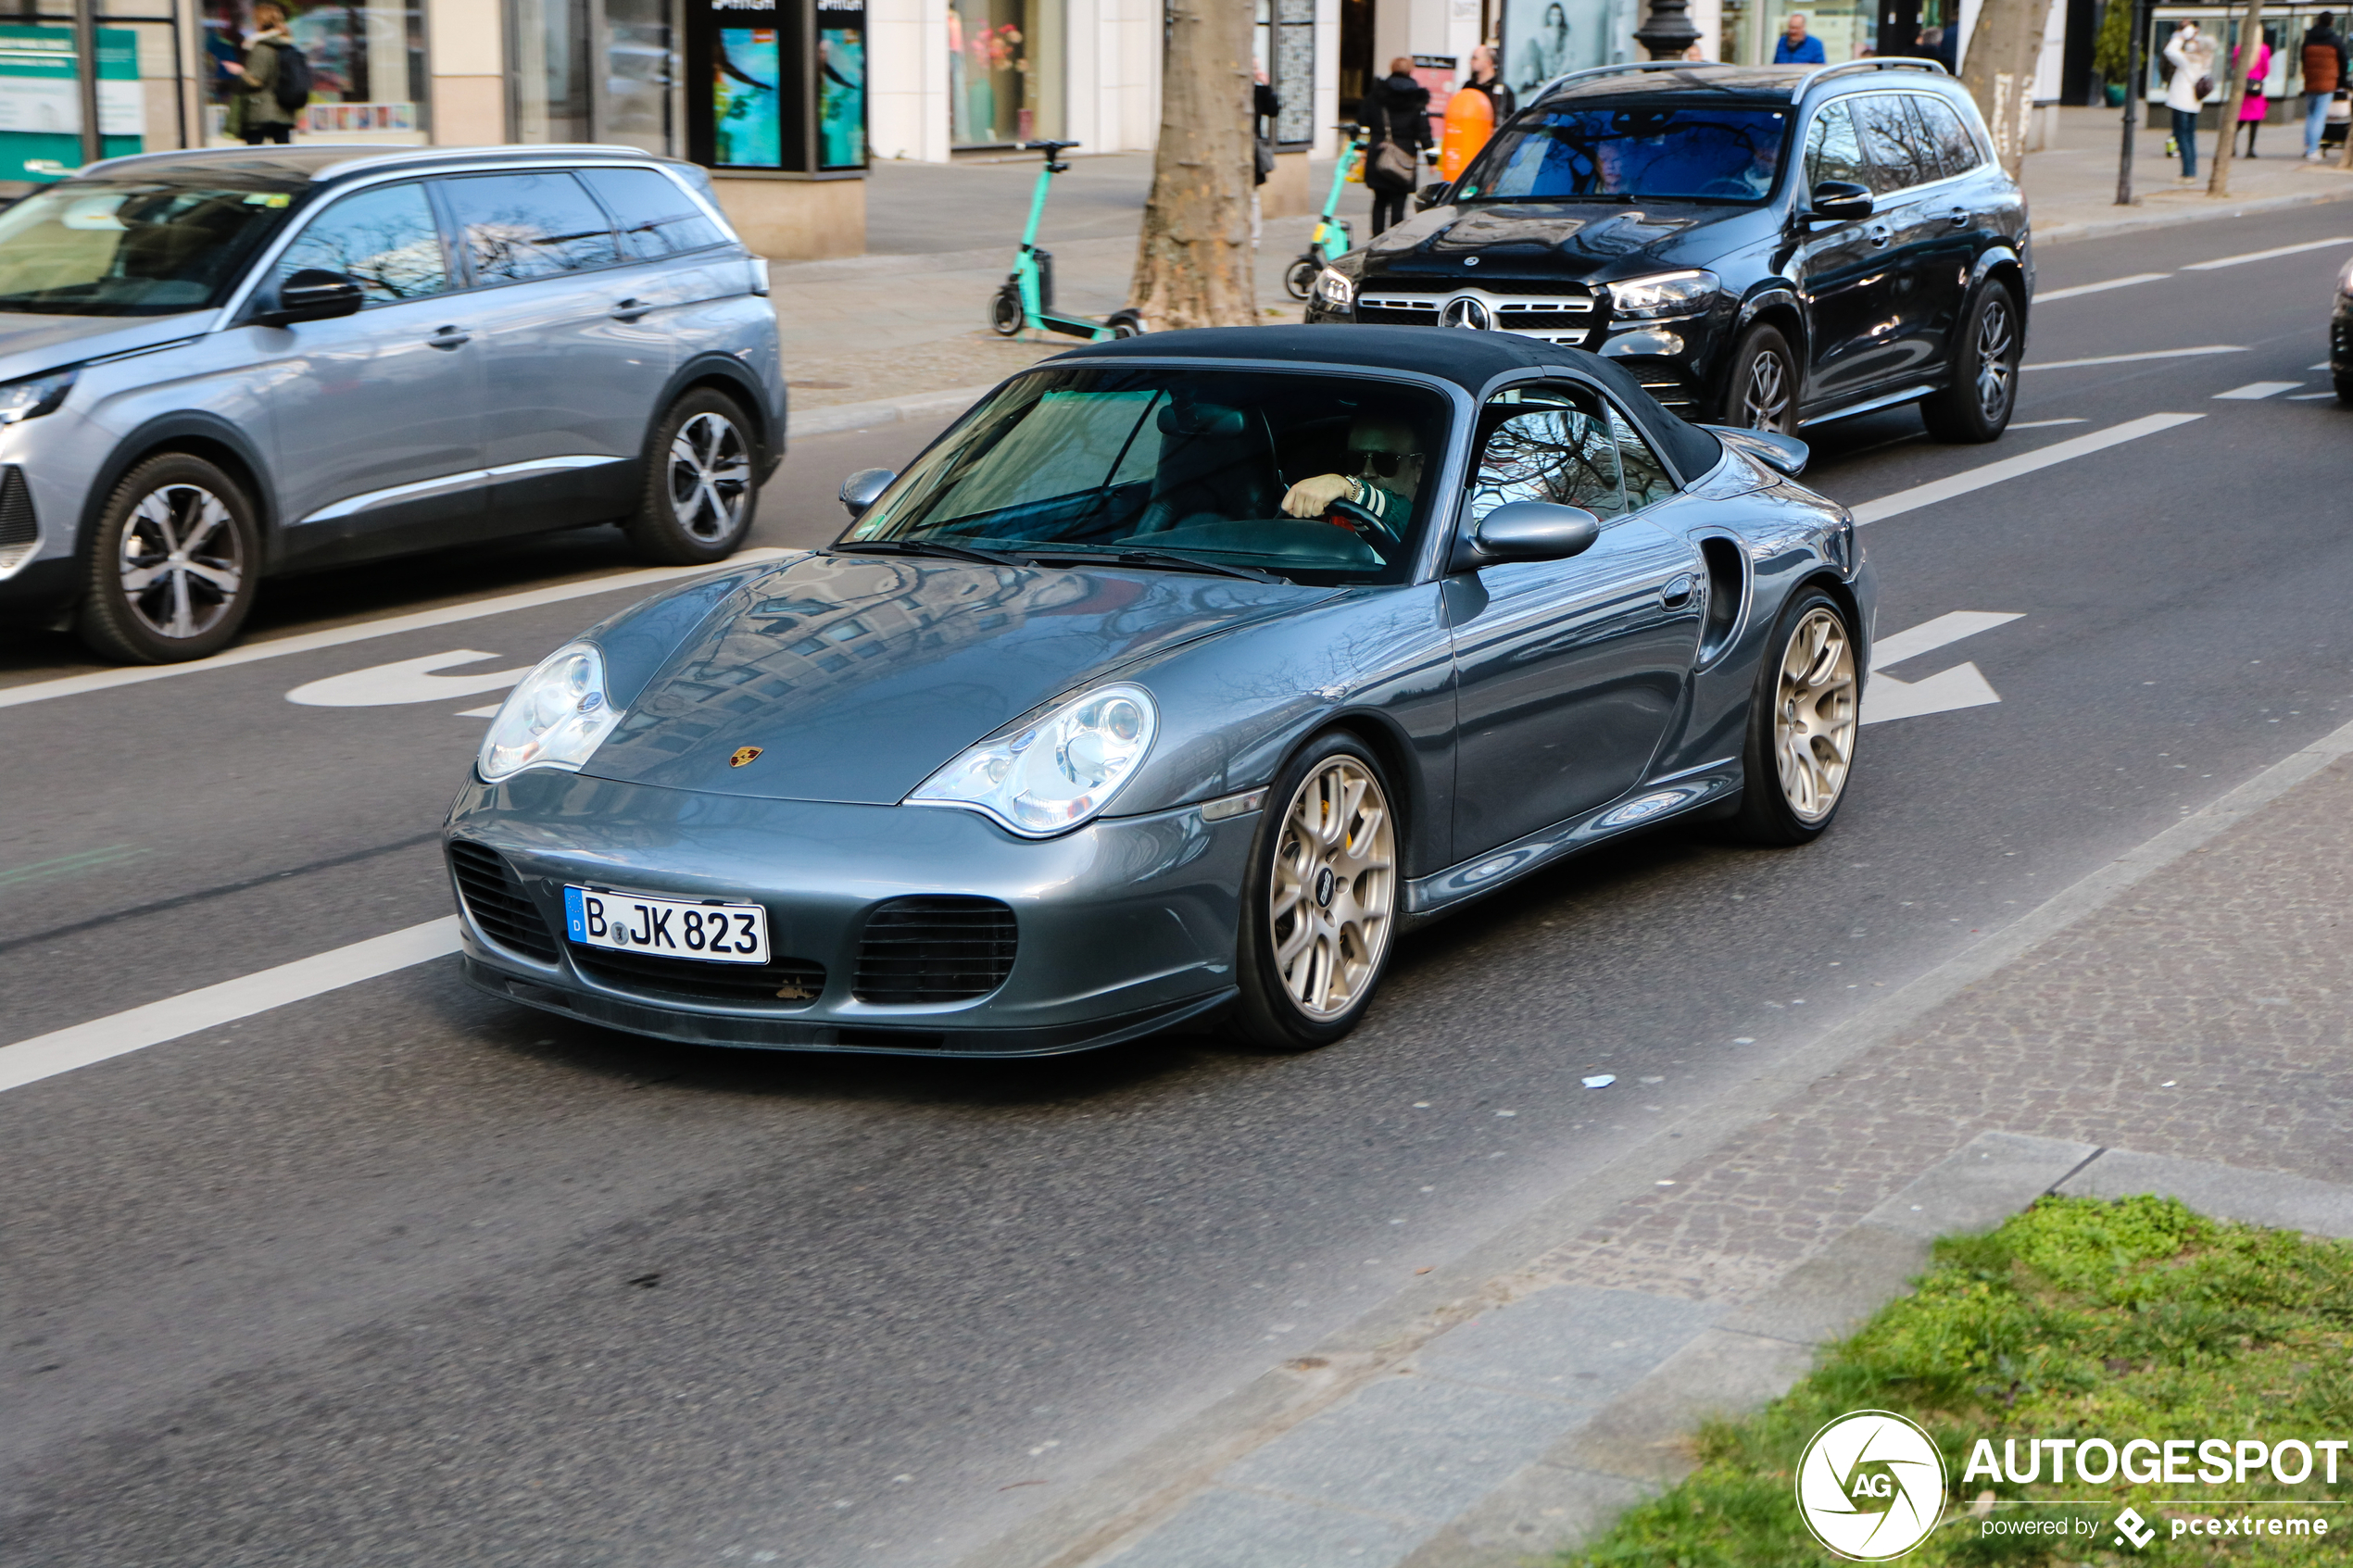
(1385, 465)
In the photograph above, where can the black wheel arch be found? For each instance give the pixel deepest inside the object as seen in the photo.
(199, 434)
(723, 373)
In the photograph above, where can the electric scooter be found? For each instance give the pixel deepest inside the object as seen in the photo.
(1028, 298)
(1331, 237)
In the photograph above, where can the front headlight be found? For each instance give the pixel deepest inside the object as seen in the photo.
(1057, 773)
(554, 719)
(2344, 280)
(1334, 289)
(1663, 298)
(35, 395)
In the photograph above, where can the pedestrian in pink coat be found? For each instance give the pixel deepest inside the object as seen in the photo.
(2252, 110)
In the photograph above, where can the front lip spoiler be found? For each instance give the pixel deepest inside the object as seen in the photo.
(792, 1034)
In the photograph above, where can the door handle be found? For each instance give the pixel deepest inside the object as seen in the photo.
(450, 337)
(1879, 232)
(629, 310)
(1960, 218)
(1678, 593)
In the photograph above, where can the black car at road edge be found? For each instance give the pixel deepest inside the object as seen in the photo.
(1764, 246)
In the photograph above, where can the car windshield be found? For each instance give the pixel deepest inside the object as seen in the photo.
(1632, 152)
(130, 248)
(1311, 477)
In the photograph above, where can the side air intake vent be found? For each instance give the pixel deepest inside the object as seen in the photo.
(500, 908)
(787, 985)
(1727, 587)
(19, 530)
(934, 949)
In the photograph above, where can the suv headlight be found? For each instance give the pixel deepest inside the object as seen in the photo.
(555, 718)
(1334, 290)
(35, 395)
(1052, 775)
(2344, 280)
(1663, 296)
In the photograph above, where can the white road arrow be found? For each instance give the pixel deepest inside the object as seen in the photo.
(1962, 687)
(411, 680)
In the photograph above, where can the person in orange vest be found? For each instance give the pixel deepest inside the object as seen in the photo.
(1473, 114)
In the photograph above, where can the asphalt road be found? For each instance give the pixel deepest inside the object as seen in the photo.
(400, 1275)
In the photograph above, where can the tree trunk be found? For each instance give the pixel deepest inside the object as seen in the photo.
(2004, 48)
(2250, 39)
(1193, 265)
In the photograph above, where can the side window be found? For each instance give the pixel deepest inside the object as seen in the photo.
(1942, 130)
(1645, 477)
(1547, 444)
(1831, 151)
(1889, 137)
(657, 218)
(519, 226)
(383, 239)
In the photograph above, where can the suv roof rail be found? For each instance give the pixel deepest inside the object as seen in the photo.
(1864, 68)
(1620, 70)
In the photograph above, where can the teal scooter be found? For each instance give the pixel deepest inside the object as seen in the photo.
(1028, 298)
(1331, 237)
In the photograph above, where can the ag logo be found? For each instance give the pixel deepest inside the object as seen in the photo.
(1871, 1485)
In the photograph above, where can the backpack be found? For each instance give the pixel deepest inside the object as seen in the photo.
(290, 85)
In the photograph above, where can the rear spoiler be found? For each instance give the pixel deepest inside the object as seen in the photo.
(1784, 454)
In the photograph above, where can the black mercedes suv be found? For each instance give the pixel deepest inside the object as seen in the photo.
(1767, 246)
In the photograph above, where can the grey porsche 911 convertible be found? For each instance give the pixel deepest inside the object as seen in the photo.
(1176, 679)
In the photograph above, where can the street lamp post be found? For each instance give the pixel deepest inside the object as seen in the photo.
(85, 61)
(1669, 33)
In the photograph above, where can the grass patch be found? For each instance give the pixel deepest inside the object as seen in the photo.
(2078, 1318)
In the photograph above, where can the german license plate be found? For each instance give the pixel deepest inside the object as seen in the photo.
(674, 928)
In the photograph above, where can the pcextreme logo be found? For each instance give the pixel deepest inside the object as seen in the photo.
(1871, 1485)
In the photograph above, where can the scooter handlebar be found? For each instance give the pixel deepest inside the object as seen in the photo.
(1049, 148)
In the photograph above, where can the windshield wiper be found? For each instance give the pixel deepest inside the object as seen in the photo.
(1168, 558)
(931, 547)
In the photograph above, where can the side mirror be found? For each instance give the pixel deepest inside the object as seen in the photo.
(314, 295)
(1527, 530)
(861, 489)
(1840, 201)
(1432, 194)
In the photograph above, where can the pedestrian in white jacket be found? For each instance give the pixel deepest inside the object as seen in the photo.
(2191, 55)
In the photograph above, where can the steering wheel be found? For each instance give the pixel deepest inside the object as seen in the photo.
(1356, 519)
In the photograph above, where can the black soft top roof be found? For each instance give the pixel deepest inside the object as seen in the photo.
(1471, 360)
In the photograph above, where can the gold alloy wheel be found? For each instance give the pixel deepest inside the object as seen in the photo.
(1813, 715)
(1334, 890)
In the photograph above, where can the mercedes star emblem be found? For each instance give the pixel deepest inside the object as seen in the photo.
(1465, 311)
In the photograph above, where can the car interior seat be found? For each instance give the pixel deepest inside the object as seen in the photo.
(1216, 463)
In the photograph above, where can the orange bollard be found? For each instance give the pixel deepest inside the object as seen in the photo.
(1470, 119)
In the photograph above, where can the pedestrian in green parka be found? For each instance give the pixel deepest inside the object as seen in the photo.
(254, 114)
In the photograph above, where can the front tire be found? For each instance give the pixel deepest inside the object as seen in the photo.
(1319, 910)
(1761, 393)
(701, 491)
(1801, 722)
(1976, 407)
(173, 568)
(1127, 323)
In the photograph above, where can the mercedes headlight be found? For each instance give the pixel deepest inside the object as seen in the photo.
(35, 395)
(554, 719)
(1334, 290)
(2344, 279)
(1663, 296)
(1057, 773)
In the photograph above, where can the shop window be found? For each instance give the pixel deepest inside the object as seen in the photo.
(1005, 71)
(366, 60)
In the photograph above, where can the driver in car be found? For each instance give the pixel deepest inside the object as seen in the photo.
(1388, 471)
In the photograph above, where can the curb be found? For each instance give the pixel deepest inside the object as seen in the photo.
(2062, 234)
(1124, 1504)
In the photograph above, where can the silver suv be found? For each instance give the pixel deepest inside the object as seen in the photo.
(220, 365)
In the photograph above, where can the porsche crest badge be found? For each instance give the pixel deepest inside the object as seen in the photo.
(743, 755)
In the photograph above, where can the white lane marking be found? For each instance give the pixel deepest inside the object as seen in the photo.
(2310, 396)
(1930, 636)
(2134, 358)
(46, 1056)
(411, 680)
(489, 712)
(1961, 687)
(2100, 288)
(2044, 425)
(2266, 255)
(2011, 468)
(423, 620)
(2256, 391)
